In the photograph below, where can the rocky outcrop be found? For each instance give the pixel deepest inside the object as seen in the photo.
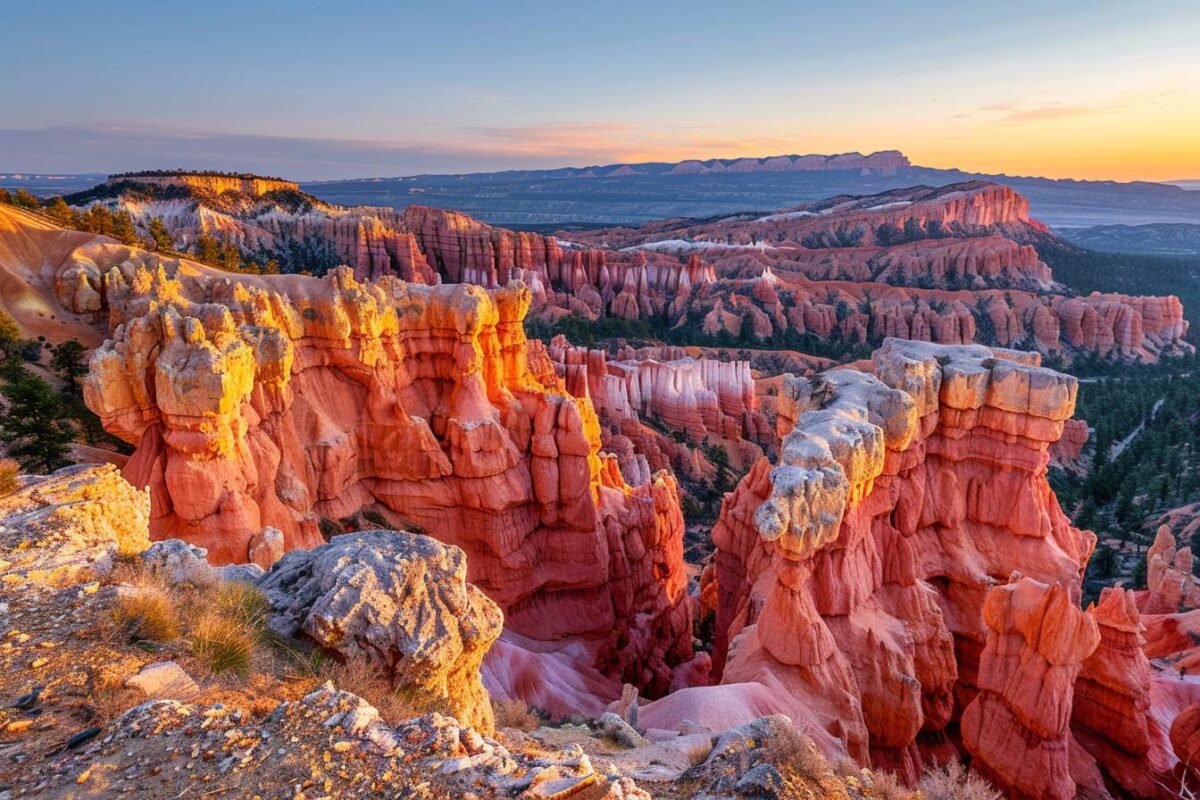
(987, 262)
(72, 524)
(401, 602)
(1016, 728)
(1170, 583)
(283, 401)
(1066, 452)
(253, 185)
(852, 574)
(638, 394)
(885, 162)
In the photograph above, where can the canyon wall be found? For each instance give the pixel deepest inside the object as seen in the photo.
(660, 408)
(251, 185)
(949, 265)
(292, 402)
(905, 579)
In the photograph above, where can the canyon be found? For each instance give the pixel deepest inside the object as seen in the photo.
(893, 573)
(954, 265)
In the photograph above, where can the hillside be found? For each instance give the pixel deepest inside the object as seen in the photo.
(624, 194)
(1178, 239)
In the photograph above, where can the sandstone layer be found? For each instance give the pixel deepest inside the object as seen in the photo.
(852, 575)
(293, 402)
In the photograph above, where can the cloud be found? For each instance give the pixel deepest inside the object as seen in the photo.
(116, 147)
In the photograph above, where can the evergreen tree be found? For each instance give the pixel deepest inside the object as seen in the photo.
(63, 214)
(67, 360)
(10, 335)
(23, 199)
(35, 430)
(123, 229)
(163, 242)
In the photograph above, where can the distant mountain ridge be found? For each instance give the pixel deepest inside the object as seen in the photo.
(1168, 239)
(631, 194)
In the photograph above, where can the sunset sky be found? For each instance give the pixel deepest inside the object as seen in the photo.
(322, 90)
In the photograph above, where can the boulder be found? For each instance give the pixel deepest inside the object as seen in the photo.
(398, 600)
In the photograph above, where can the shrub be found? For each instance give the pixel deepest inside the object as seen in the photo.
(148, 614)
(222, 643)
(9, 471)
(515, 714)
(953, 782)
(886, 786)
(368, 681)
(796, 758)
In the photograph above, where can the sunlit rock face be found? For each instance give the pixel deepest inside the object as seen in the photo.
(852, 574)
(259, 401)
(659, 407)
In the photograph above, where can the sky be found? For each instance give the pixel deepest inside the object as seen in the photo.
(319, 90)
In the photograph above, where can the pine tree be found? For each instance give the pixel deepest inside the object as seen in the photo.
(23, 199)
(123, 229)
(63, 214)
(35, 430)
(163, 242)
(67, 360)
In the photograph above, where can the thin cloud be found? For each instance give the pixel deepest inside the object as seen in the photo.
(115, 147)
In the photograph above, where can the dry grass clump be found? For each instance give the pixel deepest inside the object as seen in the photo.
(953, 782)
(515, 714)
(797, 759)
(221, 644)
(886, 786)
(147, 614)
(226, 635)
(359, 676)
(9, 471)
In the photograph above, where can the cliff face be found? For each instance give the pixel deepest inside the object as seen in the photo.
(699, 401)
(854, 572)
(284, 400)
(904, 583)
(216, 184)
(944, 265)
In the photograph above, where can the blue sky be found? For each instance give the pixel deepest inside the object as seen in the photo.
(320, 90)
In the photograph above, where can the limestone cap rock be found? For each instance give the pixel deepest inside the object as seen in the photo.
(400, 601)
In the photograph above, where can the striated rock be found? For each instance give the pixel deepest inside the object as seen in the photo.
(921, 263)
(1171, 586)
(283, 401)
(639, 393)
(1016, 728)
(852, 575)
(1066, 451)
(164, 680)
(398, 600)
(69, 526)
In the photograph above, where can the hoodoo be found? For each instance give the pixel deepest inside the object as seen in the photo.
(293, 402)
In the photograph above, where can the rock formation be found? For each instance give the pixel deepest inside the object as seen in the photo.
(210, 182)
(57, 528)
(1016, 728)
(640, 392)
(399, 601)
(284, 401)
(951, 265)
(1171, 586)
(852, 575)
